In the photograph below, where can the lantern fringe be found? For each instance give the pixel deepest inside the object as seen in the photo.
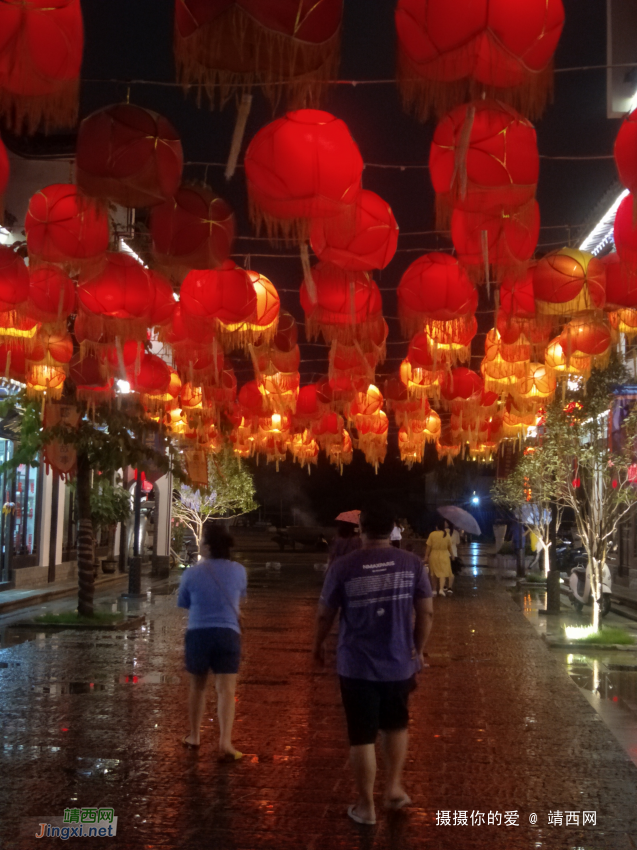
(110, 329)
(283, 66)
(89, 266)
(624, 321)
(332, 328)
(427, 97)
(43, 392)
(24, 114)
(241, 336)
(285, 232)
(582, 303)
(412, 323)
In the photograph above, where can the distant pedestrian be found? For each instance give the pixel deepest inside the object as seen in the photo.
(212, 591)
(438, 558)
(346, 541)
(396, 535)
(456, 564)
(380, 648)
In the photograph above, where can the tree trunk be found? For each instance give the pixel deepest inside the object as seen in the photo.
(85, 539)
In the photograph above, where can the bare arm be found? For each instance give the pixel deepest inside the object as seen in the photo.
(324, 619)
(422, 626)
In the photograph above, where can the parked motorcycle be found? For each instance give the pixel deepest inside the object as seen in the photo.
(580, 588)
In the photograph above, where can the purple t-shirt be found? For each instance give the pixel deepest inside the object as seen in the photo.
(375, 590)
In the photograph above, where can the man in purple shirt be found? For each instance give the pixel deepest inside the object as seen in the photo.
(380, 649)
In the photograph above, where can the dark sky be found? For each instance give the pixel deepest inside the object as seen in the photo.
(133, 40)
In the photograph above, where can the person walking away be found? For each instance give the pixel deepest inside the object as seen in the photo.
(380, 648)
(346, 541)
(438, 558)
(212, 591)
(396, 535)
(455, 542)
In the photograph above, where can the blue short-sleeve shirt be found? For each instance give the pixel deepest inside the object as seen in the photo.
(212, 591)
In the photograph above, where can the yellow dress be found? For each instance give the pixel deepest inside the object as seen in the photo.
(440, 555)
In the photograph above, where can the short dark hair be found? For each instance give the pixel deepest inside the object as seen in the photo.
(218, 540)
(377, 520)
(345, 529)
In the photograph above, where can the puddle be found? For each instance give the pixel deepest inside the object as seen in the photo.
(59, 688)
(89, 767)
(149, 679)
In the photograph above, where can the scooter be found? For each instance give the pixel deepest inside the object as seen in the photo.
(580, 588)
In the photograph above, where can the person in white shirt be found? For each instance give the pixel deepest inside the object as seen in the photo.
(396, 535)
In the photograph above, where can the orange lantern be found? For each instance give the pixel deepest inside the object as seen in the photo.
(536, 389)
(304, 449)
(563, 363)
(341, 453)
(40, 58)
(569, 281)
(372, 438)
(128, 155)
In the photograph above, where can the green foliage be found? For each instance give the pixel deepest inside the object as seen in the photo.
(110, 503)
(611, 635)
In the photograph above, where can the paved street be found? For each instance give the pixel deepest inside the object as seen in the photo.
(95, 719)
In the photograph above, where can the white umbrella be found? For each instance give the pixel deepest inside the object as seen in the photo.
(460, 518)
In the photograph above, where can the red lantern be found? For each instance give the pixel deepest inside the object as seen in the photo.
(625, 231)
(48, 364)
(14, 286)
(117, 301)
(4, 174)
(307, 407)
(164, 304)
(368, 243)
(588, 338)
(51, 297)
(621, 284)
(626, 152)
(351, 370)
(490, 245)
(225, 296)
(448, 49)
(461, 391)
(495, 171)
(62, 226)
(264, 322)
(435, 292)
(13, 362)
(451, 344)
(302, 166)
(155, 381)
(347, 304)
(128, 155)
(419, 372)
(90, 385)
(193, 230)
(251, 402)
(41, 46)
(289, 48)
(569, 281)
(520, 327)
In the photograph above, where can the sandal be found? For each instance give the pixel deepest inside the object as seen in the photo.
(188, 744)
(229, 758)
(351, 812)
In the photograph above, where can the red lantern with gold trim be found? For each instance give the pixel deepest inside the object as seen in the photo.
(347, 303)
(51, 297)
(224, 296)
(569, 281)
(128, 155)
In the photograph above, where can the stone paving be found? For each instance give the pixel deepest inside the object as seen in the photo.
(497, 726)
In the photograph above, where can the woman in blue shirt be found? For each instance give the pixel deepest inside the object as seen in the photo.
(212, 591)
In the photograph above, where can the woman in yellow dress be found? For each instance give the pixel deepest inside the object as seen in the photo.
(438, 559)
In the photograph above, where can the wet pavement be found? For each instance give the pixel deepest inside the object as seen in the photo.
(498, 726)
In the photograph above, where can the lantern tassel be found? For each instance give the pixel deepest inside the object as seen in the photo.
(239, 131)
(310, 284)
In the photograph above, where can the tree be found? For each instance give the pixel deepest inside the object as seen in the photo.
(106, 438)
(230, 493)
(531, 492)
(597, 473)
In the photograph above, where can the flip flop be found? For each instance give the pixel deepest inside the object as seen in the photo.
(351, 812)
(229, 758)
(188, 744)
(397, 803)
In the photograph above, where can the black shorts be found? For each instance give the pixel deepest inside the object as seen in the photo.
(370, 706)
(213, 649)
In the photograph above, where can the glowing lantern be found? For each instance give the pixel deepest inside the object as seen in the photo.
(401, 405)
(128, 155)
(300, 167)
(12, 362)
(448, 447)
(516, 419)
(499, 371)
(419, 372)
(44, 381)
(621, 284)
(626, 152)
(341, 453)
(328, 430)
(51, 297)
(372, 438)
(588, 338)
(351, 370)
(40, 58)
(411, 448)
(277, 371)
(497, 171)
(451, 343)
(62, 226)
(307, 407)
(461, 391)
(288, 48)
(225, 296)
(368, 243)
(536, 388)
(117, 300)
(523, 331)
(365, 404)
(435, 293)
(346, 304)
(625, 232)
(193, 345)
(192, 230)
(48, 365)
(250, 402)
(447, 50)
(152, 378)
(569, 281)
(490, 245)
(304, 449)
(263, 324)
(15, 326)
(558, 360)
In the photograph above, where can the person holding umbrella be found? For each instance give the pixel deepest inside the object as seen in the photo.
(346, 540)
(438, 558)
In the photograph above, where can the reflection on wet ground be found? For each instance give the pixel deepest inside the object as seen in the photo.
(497, 726)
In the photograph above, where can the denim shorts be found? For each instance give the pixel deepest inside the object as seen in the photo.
(213, 649)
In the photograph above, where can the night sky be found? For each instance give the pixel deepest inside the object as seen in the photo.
(133, 41)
